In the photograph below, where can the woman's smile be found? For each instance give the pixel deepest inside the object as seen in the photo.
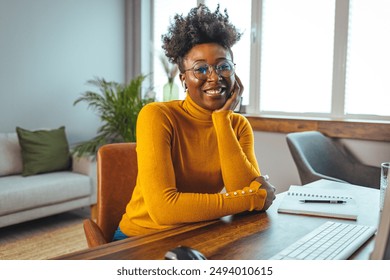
(215, 92)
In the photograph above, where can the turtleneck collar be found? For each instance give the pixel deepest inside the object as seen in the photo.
(195, 110)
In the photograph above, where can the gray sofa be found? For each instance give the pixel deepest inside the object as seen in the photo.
(27, 198)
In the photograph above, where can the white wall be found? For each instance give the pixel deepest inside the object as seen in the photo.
(275, 159)
(48, 50)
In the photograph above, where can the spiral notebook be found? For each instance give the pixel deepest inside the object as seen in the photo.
(312, 201)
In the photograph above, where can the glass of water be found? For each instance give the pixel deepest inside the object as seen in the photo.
(385, 173)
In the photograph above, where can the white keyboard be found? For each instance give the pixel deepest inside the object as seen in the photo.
(330, 241)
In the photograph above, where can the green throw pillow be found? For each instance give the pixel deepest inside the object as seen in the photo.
(43, 150)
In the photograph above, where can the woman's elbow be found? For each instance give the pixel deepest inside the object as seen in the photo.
(163, 218)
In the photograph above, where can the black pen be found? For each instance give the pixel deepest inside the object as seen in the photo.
(322, 201)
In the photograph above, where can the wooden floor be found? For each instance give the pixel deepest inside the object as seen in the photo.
(44, 238)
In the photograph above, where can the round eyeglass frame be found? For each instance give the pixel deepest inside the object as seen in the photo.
(217, 71)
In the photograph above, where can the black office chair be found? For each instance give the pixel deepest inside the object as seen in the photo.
(319, 157)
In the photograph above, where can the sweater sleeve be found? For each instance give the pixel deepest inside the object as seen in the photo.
(156, 176)
(236, 150)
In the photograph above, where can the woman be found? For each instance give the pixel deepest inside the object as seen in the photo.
(190, 150)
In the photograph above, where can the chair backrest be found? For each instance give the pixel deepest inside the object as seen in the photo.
(117, 171)
(319, 157)
(315, 154)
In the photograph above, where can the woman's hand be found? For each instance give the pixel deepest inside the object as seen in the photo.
(270, 192)
(232, 101)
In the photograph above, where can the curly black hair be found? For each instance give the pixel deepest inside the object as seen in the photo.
(198, 27)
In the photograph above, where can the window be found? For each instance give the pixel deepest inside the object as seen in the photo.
(296, 56)
(312, 58)
(368, 60)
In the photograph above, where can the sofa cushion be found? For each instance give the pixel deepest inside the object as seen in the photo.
(22, 193)
(44, 150)
(10, 154)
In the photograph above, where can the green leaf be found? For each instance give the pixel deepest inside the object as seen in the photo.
(117, 106)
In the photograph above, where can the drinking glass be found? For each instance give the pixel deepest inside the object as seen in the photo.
(385, 167)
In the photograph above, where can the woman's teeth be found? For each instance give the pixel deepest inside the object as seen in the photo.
(214, 91)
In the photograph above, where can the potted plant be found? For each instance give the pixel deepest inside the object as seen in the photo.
(118, 106)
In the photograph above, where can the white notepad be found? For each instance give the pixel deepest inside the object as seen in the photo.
(292, 202)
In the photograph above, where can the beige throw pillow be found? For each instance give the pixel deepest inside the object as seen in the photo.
(10, 155)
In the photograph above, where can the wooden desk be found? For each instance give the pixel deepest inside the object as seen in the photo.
(242, 237)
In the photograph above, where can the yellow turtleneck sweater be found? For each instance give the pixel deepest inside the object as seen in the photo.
(186, 156)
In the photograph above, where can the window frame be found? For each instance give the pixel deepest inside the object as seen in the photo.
(339, 70)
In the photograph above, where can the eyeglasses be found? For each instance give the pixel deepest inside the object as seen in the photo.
(202, 70)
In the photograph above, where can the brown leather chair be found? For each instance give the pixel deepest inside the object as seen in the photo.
(117, 173)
